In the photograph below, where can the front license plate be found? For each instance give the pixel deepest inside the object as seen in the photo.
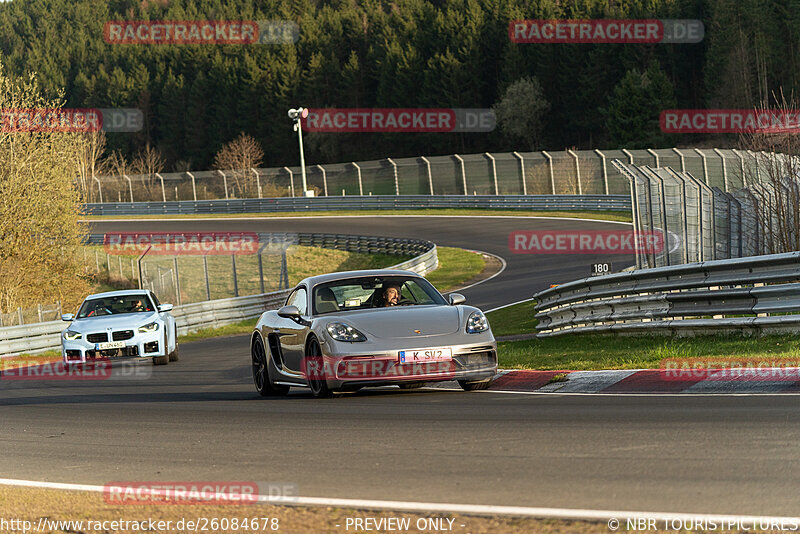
(110, 345)
(426, 355)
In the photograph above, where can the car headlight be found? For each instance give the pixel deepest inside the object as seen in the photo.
(150, 327)
(71, 335)
(477, 323)
(345, 332)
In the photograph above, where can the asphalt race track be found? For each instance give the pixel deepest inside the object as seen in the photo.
(201, 419)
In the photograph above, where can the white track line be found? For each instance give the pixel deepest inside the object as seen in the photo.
(503, 266)
(467, 509)
(507, 305)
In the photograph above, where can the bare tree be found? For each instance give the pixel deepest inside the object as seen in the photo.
(91, 146)
(148, 162)
(239, 157)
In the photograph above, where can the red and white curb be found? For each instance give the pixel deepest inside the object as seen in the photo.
(657, 381)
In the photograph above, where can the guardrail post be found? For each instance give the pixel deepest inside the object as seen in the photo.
(552, 174)
(522, 171)
(494, 173)
(396, 181)
(705, 164)
(324, 179)
(163, 191)
(258, 181)
(605, 169)
(205, 273)
(99, 188)
(680, 155)
(627, 153)
(235, 279)
(291, 178)
(360, 183)
(655, 157)
(463, 172)
(177, 280)
(430, 176)
(724, 168)
(224, 183)
(577, 170)
(194, 186)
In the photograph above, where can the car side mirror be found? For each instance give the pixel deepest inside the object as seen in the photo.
(165, 307)
(289, 312)
(67, 317)
(456, 299)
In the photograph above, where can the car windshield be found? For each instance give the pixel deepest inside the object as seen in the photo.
(115, 306)
(374, 292)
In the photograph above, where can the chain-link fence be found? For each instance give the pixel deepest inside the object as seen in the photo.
(31, 315)
(701, 221)
(509, 173)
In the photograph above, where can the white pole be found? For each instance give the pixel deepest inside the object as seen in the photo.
(522, 169)
(360, 183)
(324, 179)
(224, 183)
(302, 156)
(655, 156)
(705, 164)
(741, 166)
(99, 189)
(724, 168)
(577, 170)
(605, 169)
(396, 182)
(163, 192)
(430, 176)
(627, 153)
(258, 181)
(683, 162)
(291, 178)
(494, 174)
(130, 185)
(463, 172)
(552, 175)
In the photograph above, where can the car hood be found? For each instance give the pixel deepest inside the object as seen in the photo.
(401, 322)
(127, 321)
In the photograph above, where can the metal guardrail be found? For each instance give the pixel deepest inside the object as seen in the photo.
(732, 295)
(384, 202)
(40, 337)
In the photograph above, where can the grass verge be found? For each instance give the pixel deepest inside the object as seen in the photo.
(513, 320)
(456, 266)
(607, 215)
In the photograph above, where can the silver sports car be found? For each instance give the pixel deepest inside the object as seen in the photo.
(344, 331)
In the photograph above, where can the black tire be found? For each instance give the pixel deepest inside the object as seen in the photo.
(260, 365)
(319, 387)
(174, 356)
(412, 385)
(474, 386)
(162, 360)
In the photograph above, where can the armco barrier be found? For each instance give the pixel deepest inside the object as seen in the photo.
(39, 337)
(406, 202)
(733, 295)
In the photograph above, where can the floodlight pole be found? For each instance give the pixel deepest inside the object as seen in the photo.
(302, 156)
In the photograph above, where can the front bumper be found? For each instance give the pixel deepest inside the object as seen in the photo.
(141, 345)
(347, 368)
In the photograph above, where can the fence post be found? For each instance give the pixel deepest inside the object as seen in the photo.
(741, 166)
(235, 279)
(291, 178)
(130, 185)
(284, 283)
(19, 315)
(261, 269)
(119, 260)
(97, 260)
(163, 191)
(430, 176)
(552, 174)
(724, 168)
(224, 183)
(39, 310)
(139, 262)
(133, 270)
(605, 169)
(494, 174)
(680, 155)
(59, 310)
(522, 169)
(396, 181)
(258, 181)
(194, 186)
(655, 157)
(324, 179)
(360, 183)
(627, 153)
(205, 272)
(705, 165)
(577, 170)
(177, 280)
(99, 188)
(463, 172)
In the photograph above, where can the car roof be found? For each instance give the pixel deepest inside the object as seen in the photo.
(312, 281)
(119, 293)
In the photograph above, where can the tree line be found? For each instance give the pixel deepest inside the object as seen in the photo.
(403, 53)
